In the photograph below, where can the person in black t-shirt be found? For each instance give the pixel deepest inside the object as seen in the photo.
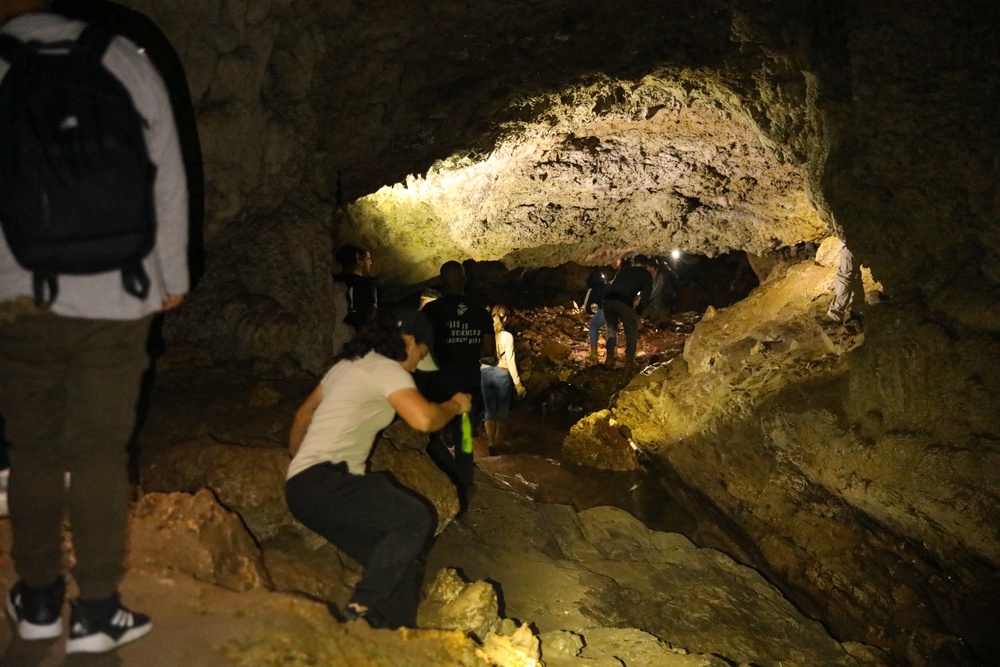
(624, 301)
(362, 293)
(463, 336)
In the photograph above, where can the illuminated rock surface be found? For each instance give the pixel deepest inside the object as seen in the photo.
(856, 469)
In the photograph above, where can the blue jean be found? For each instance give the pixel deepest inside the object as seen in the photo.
(498, 389)
(596, 322)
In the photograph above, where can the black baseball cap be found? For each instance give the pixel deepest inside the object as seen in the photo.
(418, 325)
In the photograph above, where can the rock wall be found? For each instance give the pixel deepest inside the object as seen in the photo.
(883, 112)
(305, 107)
(790, 432)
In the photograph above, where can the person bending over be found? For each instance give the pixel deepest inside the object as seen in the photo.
(381, 525)
(624, 302)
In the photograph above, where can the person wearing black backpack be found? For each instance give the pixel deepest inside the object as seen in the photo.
(94, 245)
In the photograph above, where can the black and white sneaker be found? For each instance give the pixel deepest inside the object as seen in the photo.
(37, 612)
(96, 626)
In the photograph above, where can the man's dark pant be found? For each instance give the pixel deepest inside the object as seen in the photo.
(68, 392)
(382, 526)
(615, 312)
(460, 465)
(438, 387)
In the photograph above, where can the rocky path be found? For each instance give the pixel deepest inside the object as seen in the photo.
(548, 563)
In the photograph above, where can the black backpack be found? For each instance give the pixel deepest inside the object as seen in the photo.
(76, 182)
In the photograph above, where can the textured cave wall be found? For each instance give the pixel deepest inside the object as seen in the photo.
(884, 110)
(305, 106)
(886, 533)
(908, 105)
(907, 101)
(881, 115)
(612, 167)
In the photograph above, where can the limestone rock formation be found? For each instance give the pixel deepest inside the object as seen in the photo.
(569, 574)
(595, 441)
(251, 480)
(206, 541)
(758, 426)
(248, 480)
(600, 569)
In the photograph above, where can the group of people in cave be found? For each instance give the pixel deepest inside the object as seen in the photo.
(71, 371)
(618, 295)
(430, 365)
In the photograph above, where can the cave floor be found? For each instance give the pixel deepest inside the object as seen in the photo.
(195, 622)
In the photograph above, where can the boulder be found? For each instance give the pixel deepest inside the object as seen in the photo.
(597, 441)
(206, 541)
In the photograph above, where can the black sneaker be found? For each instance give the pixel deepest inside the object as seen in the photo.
(96, 626)
(37, 612)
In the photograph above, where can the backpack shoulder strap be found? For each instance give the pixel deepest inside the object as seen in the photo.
(10, 46)
(94, 40)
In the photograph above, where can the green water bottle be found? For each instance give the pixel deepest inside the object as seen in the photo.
(466, 433)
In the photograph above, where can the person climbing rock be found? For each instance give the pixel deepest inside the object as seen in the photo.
(328, 488)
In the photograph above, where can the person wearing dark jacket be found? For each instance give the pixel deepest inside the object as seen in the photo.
(626, 297)
(463, 338)
(597, 286)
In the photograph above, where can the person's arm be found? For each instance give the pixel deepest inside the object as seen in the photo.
(507, 344)
(170, 189)
(423, 415)
(303, 417)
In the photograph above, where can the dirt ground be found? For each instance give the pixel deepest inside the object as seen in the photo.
(192, 623)
(198, 625)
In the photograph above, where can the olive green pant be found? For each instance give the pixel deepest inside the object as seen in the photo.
(68, 393)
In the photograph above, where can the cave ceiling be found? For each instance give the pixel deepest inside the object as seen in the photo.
(884, 113)
(594, 171)
(532, 133)
(542, 132)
